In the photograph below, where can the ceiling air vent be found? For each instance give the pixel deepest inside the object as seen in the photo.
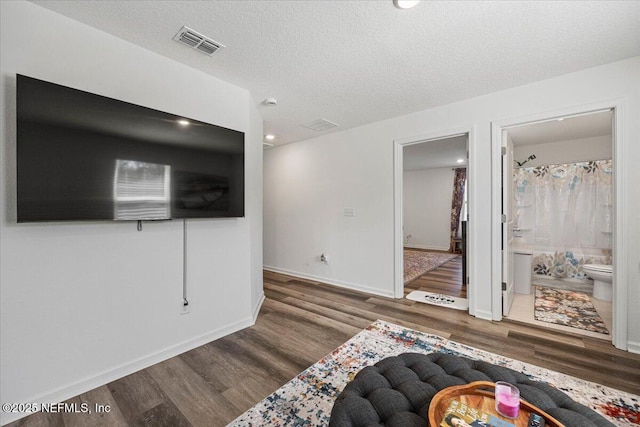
(197, 41)
(319, 125)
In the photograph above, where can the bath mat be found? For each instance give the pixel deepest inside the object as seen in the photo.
(439, 299)
(416, 263)
(307, 399)
(567, 308)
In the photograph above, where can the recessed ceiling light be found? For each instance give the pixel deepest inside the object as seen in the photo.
(405, 4)
(270, 137)
(183, 122)
(460, 160)
(561, 119)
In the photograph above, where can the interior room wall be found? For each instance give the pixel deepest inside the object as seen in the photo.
(427, 208)
(570, 151)
(253, 204)
(85, 303)
(307, 185)
(307, 189)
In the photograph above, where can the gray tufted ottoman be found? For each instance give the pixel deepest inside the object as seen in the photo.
(396, 392)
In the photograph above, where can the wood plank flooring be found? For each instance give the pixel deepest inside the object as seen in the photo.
(300, 322)
(446, 279)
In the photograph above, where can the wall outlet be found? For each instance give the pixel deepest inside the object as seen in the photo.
(185, 306)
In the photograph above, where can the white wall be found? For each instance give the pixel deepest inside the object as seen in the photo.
(571, 151)
(308, 183)
(307, 187)
(427, 208)
(253, 204)
(85, 303)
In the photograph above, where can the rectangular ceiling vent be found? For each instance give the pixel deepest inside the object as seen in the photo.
(319, 125)
(197, 41)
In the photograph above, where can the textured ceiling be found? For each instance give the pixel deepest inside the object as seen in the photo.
(357, 62)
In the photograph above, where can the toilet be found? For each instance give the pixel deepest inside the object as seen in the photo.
(602, 276)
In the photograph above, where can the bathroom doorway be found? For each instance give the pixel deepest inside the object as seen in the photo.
(558, 223)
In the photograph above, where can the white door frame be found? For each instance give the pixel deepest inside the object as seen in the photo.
(398, 146)
(507, 227)
(620, 288)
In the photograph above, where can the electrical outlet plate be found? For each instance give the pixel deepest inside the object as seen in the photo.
(184, 309)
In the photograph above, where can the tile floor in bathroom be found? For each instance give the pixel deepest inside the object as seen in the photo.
(522, 311)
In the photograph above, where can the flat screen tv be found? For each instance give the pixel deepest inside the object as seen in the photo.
(82, 156)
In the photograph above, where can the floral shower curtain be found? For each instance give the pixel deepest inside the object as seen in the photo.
(565, 209)
(457, 200)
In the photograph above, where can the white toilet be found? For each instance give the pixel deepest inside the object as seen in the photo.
(602, 276)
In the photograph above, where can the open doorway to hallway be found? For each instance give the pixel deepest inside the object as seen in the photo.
(558, 237)
(434, 219)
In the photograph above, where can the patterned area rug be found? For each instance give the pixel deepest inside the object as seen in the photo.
(416, 263)
(567, 308)
(307, 399)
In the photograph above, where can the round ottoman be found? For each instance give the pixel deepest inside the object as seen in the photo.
(396, 392)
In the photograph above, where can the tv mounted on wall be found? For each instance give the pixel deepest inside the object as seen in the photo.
(82, 156)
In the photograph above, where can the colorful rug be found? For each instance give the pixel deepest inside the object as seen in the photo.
(567, 308)
(439, 299)
(416, 263)
(307, 399)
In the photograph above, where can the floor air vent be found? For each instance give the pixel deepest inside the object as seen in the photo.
(197, 41)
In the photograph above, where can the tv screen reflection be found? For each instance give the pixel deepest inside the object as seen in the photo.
(141, 190)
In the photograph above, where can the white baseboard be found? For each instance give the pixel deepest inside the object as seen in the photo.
(347, 285)
(633, 347)
(256, 309)
(427, 247)
(71, 390)
(483, 314)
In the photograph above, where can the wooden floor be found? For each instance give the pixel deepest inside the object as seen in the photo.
(446, 279)
(299, 323)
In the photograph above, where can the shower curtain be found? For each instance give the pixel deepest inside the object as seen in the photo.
(565, 212)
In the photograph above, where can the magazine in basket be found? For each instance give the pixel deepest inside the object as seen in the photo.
(460, 414)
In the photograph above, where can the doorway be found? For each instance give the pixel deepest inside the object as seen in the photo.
(558, 219)
(425, 167)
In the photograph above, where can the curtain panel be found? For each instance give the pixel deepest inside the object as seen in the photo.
(457, 200)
